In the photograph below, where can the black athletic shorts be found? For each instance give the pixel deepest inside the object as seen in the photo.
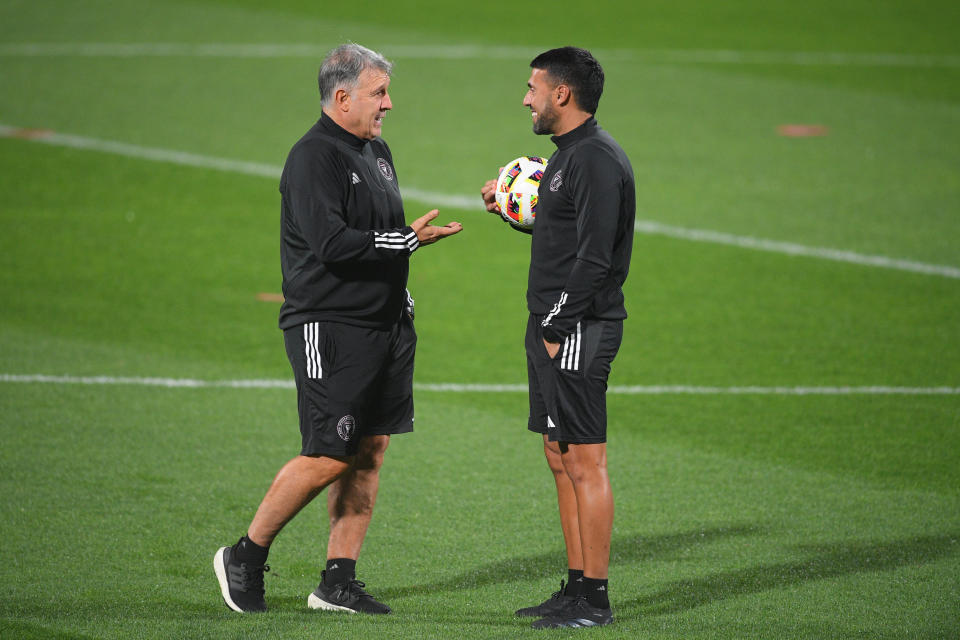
(568, 393)
(351, 382)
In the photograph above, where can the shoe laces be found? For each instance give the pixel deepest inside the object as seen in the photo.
(251, 576)
(352, 587)
(559, 594)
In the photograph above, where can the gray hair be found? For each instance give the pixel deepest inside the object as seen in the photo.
(342, 67)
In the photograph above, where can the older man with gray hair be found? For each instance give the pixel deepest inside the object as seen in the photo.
(347, 321)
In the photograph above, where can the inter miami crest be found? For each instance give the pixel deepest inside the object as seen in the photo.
(385, 168)
(556, 182)
(346, 428)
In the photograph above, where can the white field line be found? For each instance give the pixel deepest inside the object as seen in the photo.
(190, 383)
(462, 201)
(206, 162)
(136, 151)
(474, 52)
(790, 248)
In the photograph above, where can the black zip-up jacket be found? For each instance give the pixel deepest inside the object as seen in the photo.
(344, 244)
(583, 236)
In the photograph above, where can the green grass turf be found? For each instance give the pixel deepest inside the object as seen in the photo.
(702, 138)
(706, 533)
(737, 516)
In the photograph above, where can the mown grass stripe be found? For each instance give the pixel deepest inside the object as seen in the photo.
(462, 201)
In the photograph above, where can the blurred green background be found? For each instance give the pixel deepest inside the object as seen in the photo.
(739, 515)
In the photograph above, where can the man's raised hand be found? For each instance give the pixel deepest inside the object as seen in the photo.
(428, 233)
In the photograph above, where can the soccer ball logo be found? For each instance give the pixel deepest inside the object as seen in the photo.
(517, 189)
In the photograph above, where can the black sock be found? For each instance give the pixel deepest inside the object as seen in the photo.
(246, 550)
(596, 592)
(339, 570)
(574, 582)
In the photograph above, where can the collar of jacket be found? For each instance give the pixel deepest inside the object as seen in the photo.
(576, 135)
(328, 125)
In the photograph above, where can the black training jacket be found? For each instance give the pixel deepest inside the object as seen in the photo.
(583, 235)
(344, 244)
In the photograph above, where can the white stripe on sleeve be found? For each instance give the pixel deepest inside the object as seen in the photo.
(555, 310)
(413, 242)
(396, 240)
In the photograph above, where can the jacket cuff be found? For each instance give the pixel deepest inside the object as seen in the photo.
(413, 242)
(550, 335)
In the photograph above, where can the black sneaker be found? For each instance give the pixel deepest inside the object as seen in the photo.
(241, 584)
(578, 613)
(347, 596)
(548, 607)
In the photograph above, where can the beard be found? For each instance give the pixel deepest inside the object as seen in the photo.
(546, 120)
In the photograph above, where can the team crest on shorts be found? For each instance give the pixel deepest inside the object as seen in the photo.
(385, 168)
(556, 182)
(346, 428)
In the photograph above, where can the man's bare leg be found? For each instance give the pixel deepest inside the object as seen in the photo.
(350, 502)
(350, 499)
(567, 502)
(240, 568)
(296, 484)
(586, 464)
(569, 524)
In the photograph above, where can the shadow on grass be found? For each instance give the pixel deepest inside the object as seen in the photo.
(623, 549)
(825, 561)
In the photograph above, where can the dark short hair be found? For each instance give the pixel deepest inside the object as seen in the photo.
(576, 68)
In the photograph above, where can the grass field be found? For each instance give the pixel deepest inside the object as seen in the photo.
(768, 266)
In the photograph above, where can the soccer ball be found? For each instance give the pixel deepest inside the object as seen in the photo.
(517, 189)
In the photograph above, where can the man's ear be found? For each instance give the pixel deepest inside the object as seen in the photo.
(341, 99)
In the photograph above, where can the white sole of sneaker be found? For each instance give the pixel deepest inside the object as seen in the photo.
(316, 603)
(220, 568)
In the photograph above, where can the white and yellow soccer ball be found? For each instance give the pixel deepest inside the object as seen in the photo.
(517, 189)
